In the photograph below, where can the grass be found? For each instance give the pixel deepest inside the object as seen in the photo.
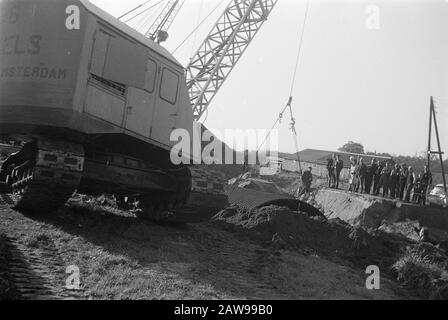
(6, 289)
(317, 278)
(423, 269)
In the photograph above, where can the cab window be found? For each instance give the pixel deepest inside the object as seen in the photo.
(151, 72)
(169, 86)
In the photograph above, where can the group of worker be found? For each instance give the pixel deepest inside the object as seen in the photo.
(389, 180)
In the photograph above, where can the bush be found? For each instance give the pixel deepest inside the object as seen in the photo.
(423, 269)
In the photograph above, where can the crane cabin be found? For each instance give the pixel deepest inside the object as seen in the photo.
(68, 67)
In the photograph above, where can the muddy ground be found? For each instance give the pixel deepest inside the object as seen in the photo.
(120, 257)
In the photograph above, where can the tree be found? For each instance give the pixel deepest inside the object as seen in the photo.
(352, 147)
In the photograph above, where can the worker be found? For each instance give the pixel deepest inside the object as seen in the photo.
(393, 183)
(356, 183)
(403, 178)
(369, 175)
(416, 198)
(352, 180)
(307, 179)
(376, 178)
(246, 160)
(331, 173)
(409, 184)
(339, 165)
(385, 179)
(362, 172)
(426, 181)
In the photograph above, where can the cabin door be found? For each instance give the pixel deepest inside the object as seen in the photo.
(141, 103)
(165, 112)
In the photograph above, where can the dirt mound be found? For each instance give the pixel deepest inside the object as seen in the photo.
(421, 267)
(333, 238)
(412, 230)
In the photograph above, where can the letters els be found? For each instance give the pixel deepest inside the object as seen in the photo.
(19, 45)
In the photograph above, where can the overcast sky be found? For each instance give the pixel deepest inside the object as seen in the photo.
(372, 86)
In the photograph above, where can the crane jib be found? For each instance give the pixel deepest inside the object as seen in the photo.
(220, 52)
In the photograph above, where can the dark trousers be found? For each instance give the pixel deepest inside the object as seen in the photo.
(416, 198)
(331, 178)
(362, 184)
(423, 197)
(306, 188)
(408, 192)
(369, 179)
(393, 188)
(376, 184)
(402, 189)
(357, 183)
(384, 184)
(338, 176)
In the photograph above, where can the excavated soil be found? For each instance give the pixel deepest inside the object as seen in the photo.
(421, 267)
(334, 238)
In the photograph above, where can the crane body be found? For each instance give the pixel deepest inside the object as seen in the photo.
(95, 103)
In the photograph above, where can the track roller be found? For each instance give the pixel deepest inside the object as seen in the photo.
(44, 174)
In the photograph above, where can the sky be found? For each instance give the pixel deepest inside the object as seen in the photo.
(363, 75)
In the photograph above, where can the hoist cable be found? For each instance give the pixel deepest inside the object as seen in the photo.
(197, 27)
(144, 11)
(133, 10)
(299, 51)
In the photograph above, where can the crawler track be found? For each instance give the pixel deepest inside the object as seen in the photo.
(46, 180)
(200, 196)
(41, 197)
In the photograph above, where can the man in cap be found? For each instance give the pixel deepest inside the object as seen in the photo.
(339, 165)
(307, 179)
(331, 173)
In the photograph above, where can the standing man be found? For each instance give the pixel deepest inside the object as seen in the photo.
(330, 169)
(362, 172)
(357, 182)
(426, 181)
(307, 179)
(409, 184)
(352, 180)
(339, 165)
(393, 183)
(371, 169)
(385, 179)
(417, 196)
(376, 178)
(246, 160)
(404, 173)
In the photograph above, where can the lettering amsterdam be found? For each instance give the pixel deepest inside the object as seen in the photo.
(40, 72)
